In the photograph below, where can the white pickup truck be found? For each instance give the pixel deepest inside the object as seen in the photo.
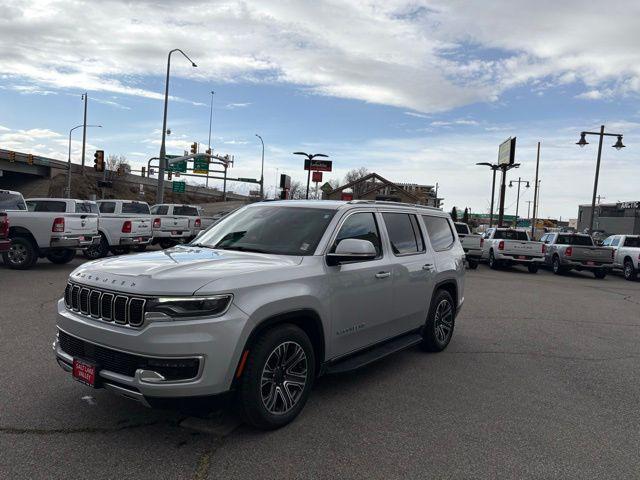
(507, 246)
(173, 223)
(47, 227)
(470, 244)
(123, 224)
(627, 254)
(576, 251)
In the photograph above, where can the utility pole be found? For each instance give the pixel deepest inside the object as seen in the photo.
(529, 202)
(84, 129)
(535, 194)
(519, 181)
(210, 124)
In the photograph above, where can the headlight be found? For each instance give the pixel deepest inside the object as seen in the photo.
(189, 307)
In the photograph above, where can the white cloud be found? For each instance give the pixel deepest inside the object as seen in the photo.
(232, 106)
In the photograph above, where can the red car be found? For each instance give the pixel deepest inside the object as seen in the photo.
(5, 243)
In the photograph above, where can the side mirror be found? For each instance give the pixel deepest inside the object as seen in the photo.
(351, 250)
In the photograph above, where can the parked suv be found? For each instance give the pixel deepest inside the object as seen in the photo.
(263, 302)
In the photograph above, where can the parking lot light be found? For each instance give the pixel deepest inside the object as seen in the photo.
(583, 141)
(619, 145)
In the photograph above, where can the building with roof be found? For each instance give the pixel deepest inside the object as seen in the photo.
(622, 218)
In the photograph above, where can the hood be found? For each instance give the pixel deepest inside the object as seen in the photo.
(179, 271)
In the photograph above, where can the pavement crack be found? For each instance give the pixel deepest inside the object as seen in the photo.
(57, 431)
(204, 462)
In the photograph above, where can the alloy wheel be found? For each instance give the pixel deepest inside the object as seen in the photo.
(443, 322)
(284, 378)
(628, 270)
(17, 254)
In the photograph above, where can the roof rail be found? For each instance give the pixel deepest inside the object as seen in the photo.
(386, 202)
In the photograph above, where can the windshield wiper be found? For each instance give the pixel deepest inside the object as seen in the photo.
(202, 245)
(242, 249)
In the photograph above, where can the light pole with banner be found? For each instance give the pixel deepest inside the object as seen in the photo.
(163, 151)
(316, 165)
(582, 142)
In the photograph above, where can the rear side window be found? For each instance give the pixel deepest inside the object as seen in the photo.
(615, 241)
(632, 242)
(511, 235)
(361, 226)
(11, 201)
(185, 210)
(579, 240)
(159, 210)
(107, 207)
(46, 206)
(404, 234)
(86, 207)
(461, 228)
(135, 207)
(439, 232)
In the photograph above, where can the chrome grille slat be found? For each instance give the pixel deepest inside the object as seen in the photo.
(104, 305)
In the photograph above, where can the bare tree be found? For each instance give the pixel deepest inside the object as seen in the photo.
(356, 174)
(296, 192)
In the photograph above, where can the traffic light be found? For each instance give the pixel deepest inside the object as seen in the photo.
(144, 171)
(169, 176)
(30, 159)
(208, 151)
(12, 156)
(194, 147)
(120, 170)
(98, 161)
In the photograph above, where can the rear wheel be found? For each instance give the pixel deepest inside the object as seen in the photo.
(61, 256)
(600, 273)
(139, 248)
(438, 330)
(166, 243)
(629, 270)
(22, 255)
(493, 263)
(532, 267)
(473, 264)
(555, 265)
(120, 250)
(277, 378)
(97, 251)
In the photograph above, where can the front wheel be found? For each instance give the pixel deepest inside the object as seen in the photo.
(62, 256)
(600, 273)
(277, 378)
(532, 267)
(629, 271)
(473, 264)
(22, 254)
(438, 330)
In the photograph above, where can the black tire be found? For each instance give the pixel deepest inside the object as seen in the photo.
(252, 403)
(95, 252)
(473, 264)
(62, 256)
(600, 273)
(139, 248)
(532, 267)
(493, 263)
(22, 255)
(629, 271)
(438, 329)
(166, 243)
(120, 250)
(555, 265)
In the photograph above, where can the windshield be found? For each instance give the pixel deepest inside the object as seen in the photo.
(135, 207)
(11, 201)
(581, 240)
(511, 235)
(270, 229)
(185, 210)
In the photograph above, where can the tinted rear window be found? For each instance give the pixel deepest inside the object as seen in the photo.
(511, 235)
(186, 211)
(404, 234)
(46, 206)
(135, 207)
(11, 201)
(632, 242)
(439, 232)
(86, 207)
(580, 240)
(159, 209)
(461, 228)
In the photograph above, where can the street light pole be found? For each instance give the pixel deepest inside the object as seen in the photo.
(519, 181)
(494, 168)
(163, 152)
(210, 123)
(84, 130)
(310, 157)
(261, 170)
(68, 188)
(582, 142)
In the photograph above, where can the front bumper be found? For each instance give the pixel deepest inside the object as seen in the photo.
(74, 241)
(140, 240)
(217, 343)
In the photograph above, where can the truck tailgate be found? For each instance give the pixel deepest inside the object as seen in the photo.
(591, 254)
(517, 248)
(80, 223)
(169, 224)
(141, 226)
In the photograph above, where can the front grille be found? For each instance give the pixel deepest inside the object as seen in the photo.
(122, 309)
(127, 363)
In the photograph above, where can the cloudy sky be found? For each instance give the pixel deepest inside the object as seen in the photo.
(416, 91)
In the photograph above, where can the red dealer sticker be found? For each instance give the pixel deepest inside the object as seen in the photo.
(84, 372)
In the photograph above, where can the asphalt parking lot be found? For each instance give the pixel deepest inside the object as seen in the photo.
(540, 381)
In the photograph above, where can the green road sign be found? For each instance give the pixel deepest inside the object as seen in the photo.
(178, 166)
(326, 188)
(179, 187)
(201, 165)
(250, 180)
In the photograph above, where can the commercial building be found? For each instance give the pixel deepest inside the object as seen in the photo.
(614, 218)
(376, 187)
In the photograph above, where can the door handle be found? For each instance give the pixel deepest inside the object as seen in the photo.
(383, 274)
(427, 266)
